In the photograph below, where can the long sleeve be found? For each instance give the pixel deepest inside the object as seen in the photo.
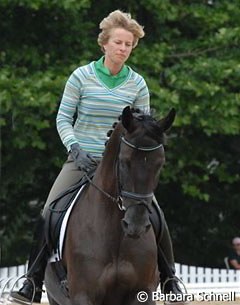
(143, 100)
(68, 106)
(96, 107)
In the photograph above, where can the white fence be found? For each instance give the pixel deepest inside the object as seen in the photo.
(196, 279)
(199, 279)
(191, 274)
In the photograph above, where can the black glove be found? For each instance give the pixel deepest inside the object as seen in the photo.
(82, 159)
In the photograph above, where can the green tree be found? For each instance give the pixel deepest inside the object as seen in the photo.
(190, 59)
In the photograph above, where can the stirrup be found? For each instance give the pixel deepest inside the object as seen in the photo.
(174, 279)
(22, 302)
(2, 299)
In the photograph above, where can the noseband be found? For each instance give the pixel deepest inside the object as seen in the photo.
(141, 199)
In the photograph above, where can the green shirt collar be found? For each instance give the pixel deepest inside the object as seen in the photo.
(99, 65)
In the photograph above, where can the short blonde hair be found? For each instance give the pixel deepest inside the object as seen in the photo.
(119, 19)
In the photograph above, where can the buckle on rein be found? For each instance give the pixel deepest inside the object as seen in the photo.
(120, 204)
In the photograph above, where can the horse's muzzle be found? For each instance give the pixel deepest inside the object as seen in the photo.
(134, 231)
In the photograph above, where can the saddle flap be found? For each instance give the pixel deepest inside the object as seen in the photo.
(57, 210)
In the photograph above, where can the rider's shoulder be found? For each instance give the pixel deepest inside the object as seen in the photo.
(83, 71)
(136, 77)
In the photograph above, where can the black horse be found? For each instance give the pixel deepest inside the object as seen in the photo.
(110, 251)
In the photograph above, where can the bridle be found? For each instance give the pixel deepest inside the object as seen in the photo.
(141, 148)
(141, 199)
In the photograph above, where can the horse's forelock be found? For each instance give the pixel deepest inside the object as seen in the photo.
(147, 120)
(151, 128)
(150, 125)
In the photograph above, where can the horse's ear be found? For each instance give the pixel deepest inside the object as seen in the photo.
(127, 119)
(167, 122)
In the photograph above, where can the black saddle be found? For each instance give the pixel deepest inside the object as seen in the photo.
(57, 210)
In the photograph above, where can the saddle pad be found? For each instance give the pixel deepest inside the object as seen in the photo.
(57, 210)
(57, 256)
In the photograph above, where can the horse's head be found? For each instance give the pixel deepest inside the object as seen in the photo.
(141, 156)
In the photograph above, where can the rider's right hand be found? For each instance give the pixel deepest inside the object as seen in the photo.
(82, 159)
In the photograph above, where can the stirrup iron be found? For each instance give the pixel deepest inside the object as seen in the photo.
(22, 302)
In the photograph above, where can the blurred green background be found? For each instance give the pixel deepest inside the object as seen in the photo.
(190, 60)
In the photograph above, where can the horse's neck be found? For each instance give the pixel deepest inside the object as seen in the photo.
(106, 173)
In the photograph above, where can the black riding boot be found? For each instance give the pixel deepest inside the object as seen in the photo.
(166, 262)
(36, 268)
(166, 266)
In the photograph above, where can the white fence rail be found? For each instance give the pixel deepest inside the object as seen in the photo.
(196, 279)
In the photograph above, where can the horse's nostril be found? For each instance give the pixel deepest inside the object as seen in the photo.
(148, 227)
(124, 224)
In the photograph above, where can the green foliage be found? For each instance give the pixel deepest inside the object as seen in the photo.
(190, 59)
(67, 5)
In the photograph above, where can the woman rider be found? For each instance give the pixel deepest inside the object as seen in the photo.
(98, 92)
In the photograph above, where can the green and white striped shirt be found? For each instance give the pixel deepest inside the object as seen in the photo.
(97, 106)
